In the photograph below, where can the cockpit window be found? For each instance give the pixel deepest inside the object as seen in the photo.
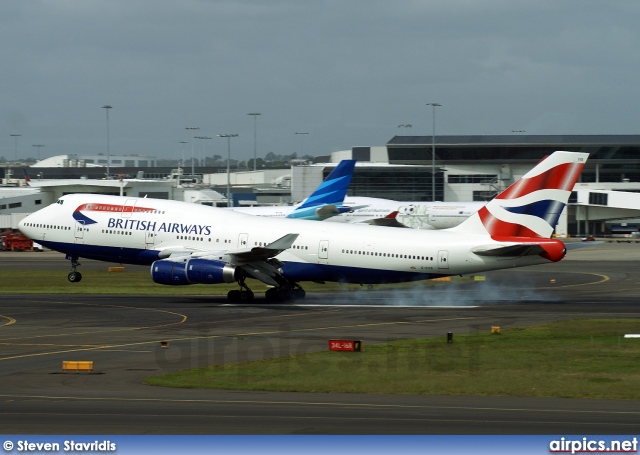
(60, 201)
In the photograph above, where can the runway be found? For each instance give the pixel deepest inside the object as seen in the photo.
(122, 335)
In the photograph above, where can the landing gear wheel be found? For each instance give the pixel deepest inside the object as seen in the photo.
(298, 294)
(240, 295)
(271, 295)
(74, 277)
(246, 295)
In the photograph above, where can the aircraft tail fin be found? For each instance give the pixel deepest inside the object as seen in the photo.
(27, 179)
(334, 188)
(530, 208)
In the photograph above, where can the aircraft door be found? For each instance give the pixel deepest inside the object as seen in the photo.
(243, 240)
(127, 209)
(150, 238)
(443, 259)
(79, 230)
(323, 249)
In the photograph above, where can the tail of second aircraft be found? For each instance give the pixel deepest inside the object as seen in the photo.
(328, 198)
(530, 208)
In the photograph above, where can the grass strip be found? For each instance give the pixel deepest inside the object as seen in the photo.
(584, 358)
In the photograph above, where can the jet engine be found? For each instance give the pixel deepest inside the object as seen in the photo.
(194, 271)
(206, 271)
(169, 272)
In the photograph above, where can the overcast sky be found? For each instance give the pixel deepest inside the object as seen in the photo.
(347, 72)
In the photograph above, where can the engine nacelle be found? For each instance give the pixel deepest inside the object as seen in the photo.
(169, 272)
(206, 271)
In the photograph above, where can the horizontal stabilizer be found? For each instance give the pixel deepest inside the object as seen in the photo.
(327, 210)
(388, 221)
(578, 245)
(526, 249)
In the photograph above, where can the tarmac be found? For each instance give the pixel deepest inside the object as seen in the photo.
(123, 336)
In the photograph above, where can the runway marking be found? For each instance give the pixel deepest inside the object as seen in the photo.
(183, 319)
(604, 278)
(10, 320)
(271, 332)
(49, 345)
(317, 403)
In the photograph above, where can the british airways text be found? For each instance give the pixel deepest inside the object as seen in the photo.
(143, 225)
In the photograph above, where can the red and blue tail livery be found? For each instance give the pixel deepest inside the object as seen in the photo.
(531, 207)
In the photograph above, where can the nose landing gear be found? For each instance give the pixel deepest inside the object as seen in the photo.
(74, 276)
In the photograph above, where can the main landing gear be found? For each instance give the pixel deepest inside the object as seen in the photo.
(74, 276)
(244, 294)
(284, 293)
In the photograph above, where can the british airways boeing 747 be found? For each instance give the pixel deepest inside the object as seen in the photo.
(187, 244)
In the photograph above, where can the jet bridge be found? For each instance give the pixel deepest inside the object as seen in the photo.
(604, 205)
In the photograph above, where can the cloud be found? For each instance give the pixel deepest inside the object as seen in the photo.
(346, 72)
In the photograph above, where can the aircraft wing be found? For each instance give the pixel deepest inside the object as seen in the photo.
(257, 262)
(262, 253)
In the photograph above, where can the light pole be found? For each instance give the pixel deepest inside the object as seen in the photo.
(106, 107)
(228, 136)
(181, 164)
(255, 137)
(38, 147)
(192, 129)
(202, 149)
(301, 143)
(433, 152)
(408, 125)
(16, 136)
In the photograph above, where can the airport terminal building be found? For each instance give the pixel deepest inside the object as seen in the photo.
(463, 168)
(476, 167)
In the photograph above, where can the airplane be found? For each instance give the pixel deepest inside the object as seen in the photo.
(187, 244)
(417, 215)
(329, 202)
(325, 202)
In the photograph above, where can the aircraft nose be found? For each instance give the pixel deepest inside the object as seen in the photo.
(24, 223)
